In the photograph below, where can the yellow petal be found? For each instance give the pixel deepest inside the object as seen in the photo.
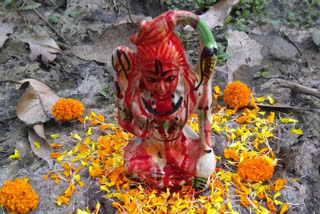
(77, 177)
(104, 188)
(271, 117)
(59, 159)
(271, 100)
(82, 212)
(261, 113)
(54, 136)
(287, 120)
(284, 208)
(276, 201)
(16, 154)
(89, 132)
(76, 136)
(84, 163)
(37, 145)
(216, 89)
(296, 131)
(260, 99)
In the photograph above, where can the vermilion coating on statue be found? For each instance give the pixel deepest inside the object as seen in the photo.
(157, 91)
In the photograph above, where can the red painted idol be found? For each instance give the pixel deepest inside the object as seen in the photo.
(157, 91)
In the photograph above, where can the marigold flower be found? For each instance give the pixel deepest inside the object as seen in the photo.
(236, 95)
(67, 109)
(18, 196)
(254, 169)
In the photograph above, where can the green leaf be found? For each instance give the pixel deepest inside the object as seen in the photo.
(264, 73)
(53, 19)
(31, 6)
(316, 37)
(72, 14)
(6, 2)
(228, 19)
(104, 93)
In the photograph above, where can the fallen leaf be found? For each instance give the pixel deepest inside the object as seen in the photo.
(36, 134)
(5, 29)
(35, 105)
(112, 37)
(242, 51)
(267, 29)
(44, 46)
(217, 14)
(316, 37)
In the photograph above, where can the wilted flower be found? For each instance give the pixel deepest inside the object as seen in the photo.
(67, 109)
(256, 168)
(18, 197)
(236, 95)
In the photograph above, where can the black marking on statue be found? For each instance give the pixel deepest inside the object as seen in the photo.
(187, 109)
(207, 151)
(158, 69)
(124, 69)
(175, 107)
(207, 60)
(117, 88)
(157, 176)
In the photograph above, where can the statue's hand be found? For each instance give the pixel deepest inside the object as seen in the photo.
(121, 62)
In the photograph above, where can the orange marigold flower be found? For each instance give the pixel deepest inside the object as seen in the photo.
(18, 196)
(254, 169)
(236, 94)
(67, 109)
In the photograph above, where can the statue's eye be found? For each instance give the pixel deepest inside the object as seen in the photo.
(151, 79)
(170, 78)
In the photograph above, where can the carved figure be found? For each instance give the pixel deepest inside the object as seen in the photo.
(157, 91)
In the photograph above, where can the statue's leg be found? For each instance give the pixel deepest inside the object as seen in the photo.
(191, 157)
(145, 161)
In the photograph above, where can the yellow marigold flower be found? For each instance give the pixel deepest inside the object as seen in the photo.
(18, 196)
(236, 94)
(67, 109)
(254, 169)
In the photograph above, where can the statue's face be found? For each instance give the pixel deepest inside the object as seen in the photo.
(160, 78)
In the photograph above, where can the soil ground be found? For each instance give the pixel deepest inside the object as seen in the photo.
(82, 22)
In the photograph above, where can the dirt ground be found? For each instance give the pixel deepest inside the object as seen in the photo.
(293, 57)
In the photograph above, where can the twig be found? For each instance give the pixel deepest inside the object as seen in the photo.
(283, 106)
(299, 88)
(220, 70)
(12, 133)
(10, 81)
(129, 12)
(53, 28)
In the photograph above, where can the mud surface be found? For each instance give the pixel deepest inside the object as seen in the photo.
(81, 22)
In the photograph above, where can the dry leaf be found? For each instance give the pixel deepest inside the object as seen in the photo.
(217, 14)
(36, 134)
(267, 29)
(35, 105)
(242, 51)
(112, 37)
(43, 45)
(5, 29)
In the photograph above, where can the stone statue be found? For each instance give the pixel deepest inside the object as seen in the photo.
(157, 91)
